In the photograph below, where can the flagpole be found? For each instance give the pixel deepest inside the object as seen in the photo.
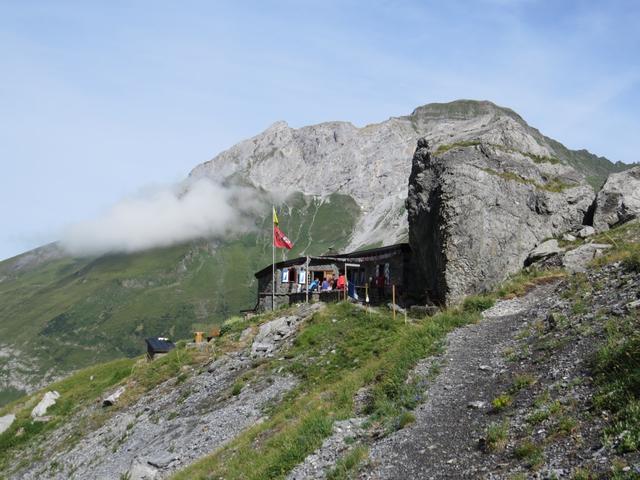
(273, 257)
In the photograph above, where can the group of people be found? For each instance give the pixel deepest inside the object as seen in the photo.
(339, 283)
(328, 284)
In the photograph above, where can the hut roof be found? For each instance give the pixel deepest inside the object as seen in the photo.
(371, 254)
(157, 345)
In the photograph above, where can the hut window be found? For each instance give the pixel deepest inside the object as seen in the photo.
(285, 276)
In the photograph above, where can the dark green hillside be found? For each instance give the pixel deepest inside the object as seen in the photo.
(72, 312)
(596, 169)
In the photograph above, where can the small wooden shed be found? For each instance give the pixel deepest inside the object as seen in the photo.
(158, 346)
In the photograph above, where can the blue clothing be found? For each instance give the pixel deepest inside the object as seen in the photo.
(352, 290)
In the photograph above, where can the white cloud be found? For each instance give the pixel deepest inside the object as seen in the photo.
(164, 216)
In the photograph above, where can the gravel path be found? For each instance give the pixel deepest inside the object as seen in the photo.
(443, 441)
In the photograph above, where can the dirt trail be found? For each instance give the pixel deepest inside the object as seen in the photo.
(443, 441)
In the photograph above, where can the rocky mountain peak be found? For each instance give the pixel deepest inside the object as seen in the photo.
(371, 164)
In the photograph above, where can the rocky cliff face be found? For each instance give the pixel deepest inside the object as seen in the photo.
(372, 164)
(618, 201)
(476, 211)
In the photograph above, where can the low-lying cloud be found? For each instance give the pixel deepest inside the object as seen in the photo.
(164, 216)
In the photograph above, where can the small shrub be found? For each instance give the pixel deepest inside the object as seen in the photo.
(538, 417)
(579, 307)
(230, 324)
(530, 453)
(566, 425)
(478, 303)
(405, 419)
(501, 402)
(582, 474)
(348, 464)
(522, 381)
(555, 408)
(632, 262)
(496, 436)
(237, 388)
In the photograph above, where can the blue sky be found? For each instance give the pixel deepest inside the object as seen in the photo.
(99, 99)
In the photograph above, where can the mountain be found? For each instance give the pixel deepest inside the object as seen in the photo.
(372, 164)
(338, 187)
(536, 379)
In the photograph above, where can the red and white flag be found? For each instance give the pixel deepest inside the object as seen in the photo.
(280, 240)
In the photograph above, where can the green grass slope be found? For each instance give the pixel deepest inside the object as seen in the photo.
(66, 313)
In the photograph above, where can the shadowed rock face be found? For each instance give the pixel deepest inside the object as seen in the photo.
(619, 200)
(475, 212)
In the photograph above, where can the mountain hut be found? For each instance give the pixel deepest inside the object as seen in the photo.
(378, 269)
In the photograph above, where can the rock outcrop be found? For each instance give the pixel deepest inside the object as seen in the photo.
(48, 400)
(476, 211)
(6, 421)
(619, 200)
(544, 250)
(578, 259)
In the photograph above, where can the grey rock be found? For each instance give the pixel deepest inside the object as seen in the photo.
(113, 398)
(6, 421)
(475, 213)
(586, 231)
(362, 400)
(631, 306)
(567, 237)
(619, 199)
(142, 471)
(397, 308)
(161, 461)
(48, 400)
(273, 335)
(578, 259)
(477, 404)
(544, 250)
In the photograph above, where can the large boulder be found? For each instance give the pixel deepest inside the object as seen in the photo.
(476, 211)
(544, 250)
(619, 200)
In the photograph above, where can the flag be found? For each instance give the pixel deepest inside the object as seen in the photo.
(275, 217)
(280, 240)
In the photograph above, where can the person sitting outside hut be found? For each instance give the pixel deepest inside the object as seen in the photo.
(341, 282)
(314, 285)
(326, 287)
